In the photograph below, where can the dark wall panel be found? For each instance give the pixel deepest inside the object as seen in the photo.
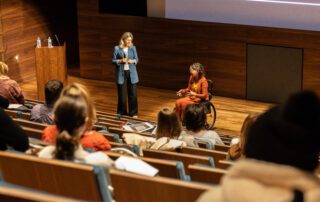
(273, 73)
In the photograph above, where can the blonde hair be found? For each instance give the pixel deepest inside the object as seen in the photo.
(77, 89)
(168, 124)
(3, 68)
(124, 37)
(236, 151)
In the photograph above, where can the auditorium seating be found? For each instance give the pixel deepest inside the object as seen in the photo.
(223, 148)
(37, 133)
(121, 131)
(68, 179)
(218, 147)
(215, 155)
(30, 124)
(14, 193)
(32, 133)
(86, 182)
(225, 164)
(170, 169)
(195, 164)
(137, 188)
(122, 117)
(186, 159)
(206, 174)
(18, 114)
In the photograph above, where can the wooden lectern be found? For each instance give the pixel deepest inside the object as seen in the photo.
(50, 64)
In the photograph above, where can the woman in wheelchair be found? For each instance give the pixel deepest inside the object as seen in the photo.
(196, 91)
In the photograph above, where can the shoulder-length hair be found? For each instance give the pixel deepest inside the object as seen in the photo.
(168, 124)
(124, 37)
(236, 150)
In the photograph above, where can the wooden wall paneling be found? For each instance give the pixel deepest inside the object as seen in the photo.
(283, 37)
(167, 47)
(25, 20)
(225, 64)
(311, 70)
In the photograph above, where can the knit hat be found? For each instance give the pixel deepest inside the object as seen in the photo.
(288, 134)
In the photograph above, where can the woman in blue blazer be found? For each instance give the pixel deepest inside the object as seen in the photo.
(125, 58)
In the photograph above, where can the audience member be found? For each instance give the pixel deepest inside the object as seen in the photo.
(9, 88)
(90, 139)
(42, 113)
(282, 154)
(195, 119)
(167, 133)
(71, 117)
(236, 150)
(12, 135)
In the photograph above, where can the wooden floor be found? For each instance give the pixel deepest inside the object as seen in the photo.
(230, 112)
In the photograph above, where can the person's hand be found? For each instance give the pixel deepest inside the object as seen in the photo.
(179, 93)
(131, 61)
(124, 60)
(191, 93)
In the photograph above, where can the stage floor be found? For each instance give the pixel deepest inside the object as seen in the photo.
(230, 112)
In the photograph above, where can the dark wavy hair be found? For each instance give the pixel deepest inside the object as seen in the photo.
(195, 117)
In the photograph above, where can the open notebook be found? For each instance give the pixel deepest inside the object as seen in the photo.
(135, 165)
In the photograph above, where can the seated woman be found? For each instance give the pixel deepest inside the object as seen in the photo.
(196, 91)
(12, 135)
(195, 119)
(9, 88)
(71, 118)
(90, 139)
(281, 157)
(237, 144)
(167, 133)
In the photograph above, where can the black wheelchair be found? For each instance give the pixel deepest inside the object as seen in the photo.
(209, 107)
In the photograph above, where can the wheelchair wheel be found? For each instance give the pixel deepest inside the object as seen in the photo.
(211, 116)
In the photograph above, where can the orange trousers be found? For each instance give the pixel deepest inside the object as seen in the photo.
(182, 103)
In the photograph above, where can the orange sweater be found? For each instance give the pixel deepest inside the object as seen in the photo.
(91, 140)
(201, 89)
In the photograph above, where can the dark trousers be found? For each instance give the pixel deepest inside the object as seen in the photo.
(131, 89)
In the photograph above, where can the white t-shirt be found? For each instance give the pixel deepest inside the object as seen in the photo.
(126, 66)
(208, 135)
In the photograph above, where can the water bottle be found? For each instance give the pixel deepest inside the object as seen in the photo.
(50, 43)
(38, 42)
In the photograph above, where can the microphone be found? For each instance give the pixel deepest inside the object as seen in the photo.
(58, 41)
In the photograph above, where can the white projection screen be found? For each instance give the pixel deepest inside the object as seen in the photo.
(293, 14)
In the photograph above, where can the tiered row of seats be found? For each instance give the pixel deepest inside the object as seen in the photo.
(176, 168)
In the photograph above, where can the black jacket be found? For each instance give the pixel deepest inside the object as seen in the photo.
(11, 134)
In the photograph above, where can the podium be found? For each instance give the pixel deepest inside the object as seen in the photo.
(50, 64)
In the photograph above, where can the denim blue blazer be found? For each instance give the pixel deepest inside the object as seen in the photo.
(118, 54)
